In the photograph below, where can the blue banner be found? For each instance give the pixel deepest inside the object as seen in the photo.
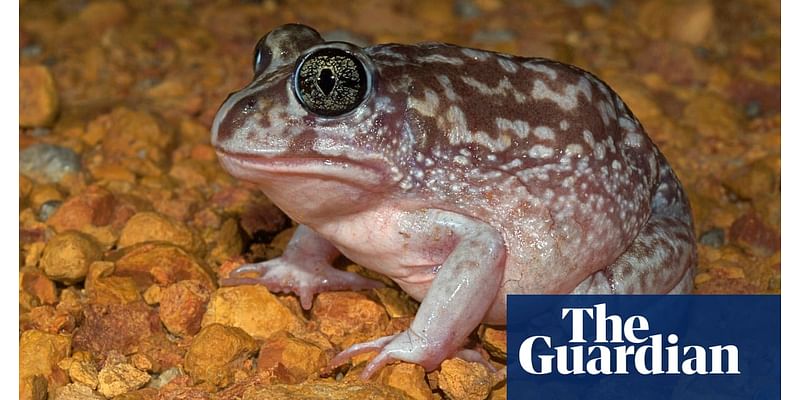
(643, 347)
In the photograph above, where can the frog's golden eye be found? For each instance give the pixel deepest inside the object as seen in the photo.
(330, 81)
(262, 56)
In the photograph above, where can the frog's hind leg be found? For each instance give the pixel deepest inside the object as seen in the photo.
(663, 256)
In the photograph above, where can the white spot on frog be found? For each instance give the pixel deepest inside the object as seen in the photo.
(475, 54)
(539, 151)
(567, 100)
(449, 92)
(518, 127)
(459, 159)
(544, 133)
(429, 106)
(438, 58)
(588, 138)
(503, 88)
(539, 67)
(507, 65)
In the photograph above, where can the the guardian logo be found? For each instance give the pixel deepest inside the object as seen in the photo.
(629, 347)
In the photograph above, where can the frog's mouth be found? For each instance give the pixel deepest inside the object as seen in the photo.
(261, 169)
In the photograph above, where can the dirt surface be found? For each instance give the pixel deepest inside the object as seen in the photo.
(126, 219)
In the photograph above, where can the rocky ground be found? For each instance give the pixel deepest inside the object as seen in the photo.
(126, 220)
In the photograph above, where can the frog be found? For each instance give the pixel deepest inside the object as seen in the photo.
(463, 175)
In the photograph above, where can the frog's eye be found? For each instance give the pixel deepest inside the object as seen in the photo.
(262, 56)
(330, 81)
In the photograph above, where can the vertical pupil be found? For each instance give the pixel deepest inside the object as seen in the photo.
(326, 81)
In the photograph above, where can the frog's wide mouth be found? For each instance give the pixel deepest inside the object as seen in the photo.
(262, 168)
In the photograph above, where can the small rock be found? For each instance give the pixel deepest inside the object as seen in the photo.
(348, 318)
(229, 242)
(67, 256)
(102, 15)
(141, 362)
(465, 380)
(38, 96)
(494, 341)
(183, 305)
(235, 199)
(25, 187)
(131, 136)
(83, 370)
(466, 9)
(94, 206)
(31, 232)
(113, 172)
(191, 173)
(48, 208)
(117, 379)
(48, 162)
(34, 282)
(149, 226)
(152, 295)
(161, 353)
(691, 21)
(714, 237)
(252, 308)
(76, 391)
(753, 180)
(291, 359)
(606, 4)
(165, 377)
(49, 319)
(492, 37)
(750, 231)
(41, 194)
(675, 62)
(408, 378)
(397, 303)
(758, 98)
(752, 109)
(500, 393)
(712, 116)
(40, 353)
(115, 327)
(39, 132)
(71, 301)
(33, 388)
(102, 288)
(217, 352)
(324, 390)
(32, 250)
(160, 263)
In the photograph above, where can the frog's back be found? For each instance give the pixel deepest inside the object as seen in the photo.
(544, 149)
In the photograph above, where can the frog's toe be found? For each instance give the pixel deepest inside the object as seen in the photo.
(407, 346)
(249, 269)
(360, 348)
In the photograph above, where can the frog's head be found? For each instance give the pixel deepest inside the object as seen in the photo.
(313, 112)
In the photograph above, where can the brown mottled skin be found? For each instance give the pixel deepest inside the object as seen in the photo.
(463, 175)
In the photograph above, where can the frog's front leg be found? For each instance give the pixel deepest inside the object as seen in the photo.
(464, 288)
(304, 269)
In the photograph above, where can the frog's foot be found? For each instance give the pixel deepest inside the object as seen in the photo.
(406, 346)
(303, 277)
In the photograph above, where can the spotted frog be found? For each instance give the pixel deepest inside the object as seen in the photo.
(463, 175)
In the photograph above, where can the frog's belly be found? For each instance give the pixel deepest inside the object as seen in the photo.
(413, 279)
